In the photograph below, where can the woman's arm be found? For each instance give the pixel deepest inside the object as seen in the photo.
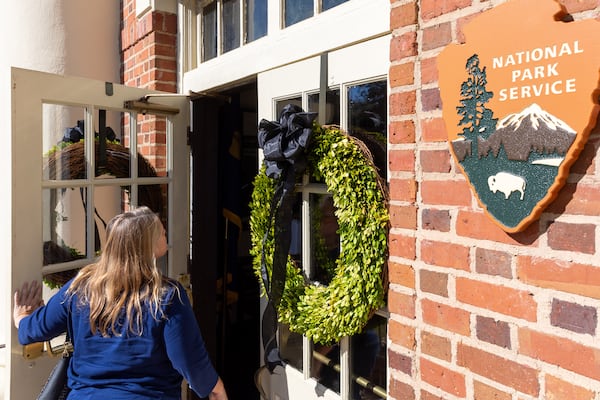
(186, 350)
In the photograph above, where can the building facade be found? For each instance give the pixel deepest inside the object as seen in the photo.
(472, 312)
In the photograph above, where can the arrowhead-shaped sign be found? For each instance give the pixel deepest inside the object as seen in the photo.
(520, 98)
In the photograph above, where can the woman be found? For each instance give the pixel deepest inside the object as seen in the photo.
(133, 330)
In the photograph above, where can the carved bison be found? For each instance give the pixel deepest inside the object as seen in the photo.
(506, 183)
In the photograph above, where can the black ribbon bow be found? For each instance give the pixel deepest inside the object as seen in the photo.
(284, 145)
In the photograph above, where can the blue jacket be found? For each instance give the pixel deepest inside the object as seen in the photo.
(127, 367)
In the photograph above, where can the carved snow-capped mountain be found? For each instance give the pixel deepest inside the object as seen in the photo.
(536, 116)
(531, 130)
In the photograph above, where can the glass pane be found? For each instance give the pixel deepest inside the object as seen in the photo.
(368, 353)
(290, 346)
(152, 145)
(280, 104)
(63, 229)
(62, 141)
(209, 31)
(367, 119)
(298, 10)
(231, 25)
(112, 156)
(332, 108)
(327, 4)
(325, 240)
(155, 198)
(256, 19)
(326, 365)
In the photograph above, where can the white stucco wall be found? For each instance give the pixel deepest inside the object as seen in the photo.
(70, 37)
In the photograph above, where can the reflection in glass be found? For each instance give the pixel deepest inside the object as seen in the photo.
(367, 119)
(61, 127)
(332, 115)
(298, 10)
(231, 25)
(152, 145)
(290, 346)
(209, 31)
(63, 229)
(280, 104)
(112, 153)
(327, 4)
(256, 19)
(325, 240)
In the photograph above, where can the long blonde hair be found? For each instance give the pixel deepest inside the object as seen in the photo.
(125, 280)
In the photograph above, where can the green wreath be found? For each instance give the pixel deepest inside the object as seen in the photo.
(325, 314)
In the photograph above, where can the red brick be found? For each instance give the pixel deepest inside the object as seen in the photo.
(403, 217)
(434, 282)
(446, 317)
(436, 220)
(401, 274)
(480, 226)
(403, 46)
(501, 299)
(402, 160)
(402, 335)
(561, 352)
(401, 390)
(494, 332)
(441, 377)
(494, 367)
(580, 238)
(400, 362)
(493, 262)
(575, 6)
(437, 36)
(430, 99)
(436, 346)
(429, 70)
(401, 304)
(402, 246)
(435, 161)
(576, 199)
(444, 254)
(403, 189)
(403, 15)
(434, 8)
(403, 103)
(434, 130)
(402, 132)
(446, 192)
(402, 74)
(481, 391)
(558, 389)
(566, 276)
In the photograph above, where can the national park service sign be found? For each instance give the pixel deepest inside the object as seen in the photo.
(520, 98)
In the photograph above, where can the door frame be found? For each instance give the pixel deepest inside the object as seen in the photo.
(22, 181)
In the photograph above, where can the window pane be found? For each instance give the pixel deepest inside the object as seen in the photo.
(112, 156)
(280, 104)
(231, 25)
(332, 114)
(62, 141)
(327, 4)
(367, 119)
(290, 345)
(256, 19)
(298, 10)
(368, 353)
(326, 365)
(209, 32)
(325, 240)
(152, 145)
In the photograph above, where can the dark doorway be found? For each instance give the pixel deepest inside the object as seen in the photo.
(225, 289)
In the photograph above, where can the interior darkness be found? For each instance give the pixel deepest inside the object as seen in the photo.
(225, 162)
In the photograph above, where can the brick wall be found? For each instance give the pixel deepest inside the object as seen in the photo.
(477, 313)
(149, 60)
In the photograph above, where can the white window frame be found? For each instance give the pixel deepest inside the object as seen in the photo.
(276, 86)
